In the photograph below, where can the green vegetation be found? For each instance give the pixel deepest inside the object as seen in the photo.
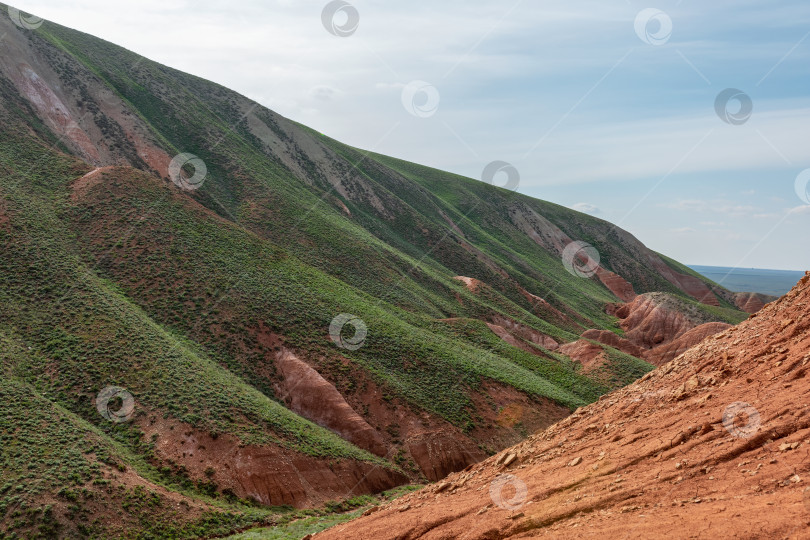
(341, 513)
(185, 298)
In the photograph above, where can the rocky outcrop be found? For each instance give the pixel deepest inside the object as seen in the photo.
(586, 353)
(669, 351)
(307, 393)
(660, 326)
(611, 339)
(53, 111)
(717, 437)
(440, 453)
(649, 322)
(751, 302)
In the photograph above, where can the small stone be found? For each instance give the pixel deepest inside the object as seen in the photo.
(371, 510)
(574, 462)
(510, 458)
(795, 479)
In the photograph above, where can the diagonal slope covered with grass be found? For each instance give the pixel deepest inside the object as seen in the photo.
(212, 307)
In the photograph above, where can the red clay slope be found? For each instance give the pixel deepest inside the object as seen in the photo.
(715, 444)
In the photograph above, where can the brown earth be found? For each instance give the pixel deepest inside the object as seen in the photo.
(616, 284)
(648, 322)
(305, 392)
(669, 351)
(611, 339)
(715, 444)
(525, 332)
(546, 311)
(471, 283)
(270, 474)
(502, 333)
(53, 110)
(751, 302)
(591, 356)
(747, 301)
(659, 325)
(83, 112)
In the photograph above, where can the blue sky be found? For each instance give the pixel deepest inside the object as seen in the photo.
(592, 114)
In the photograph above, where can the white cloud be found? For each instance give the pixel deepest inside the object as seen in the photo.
(586, 208)
(715, 207)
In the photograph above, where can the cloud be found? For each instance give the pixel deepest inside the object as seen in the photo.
(693, 141)
(716, 207)
(799, 210)
(586, 208)
(684, 230)
(324, 93)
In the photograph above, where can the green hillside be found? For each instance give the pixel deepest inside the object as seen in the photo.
(112, 275)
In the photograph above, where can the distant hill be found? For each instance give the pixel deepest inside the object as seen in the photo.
(772, 282)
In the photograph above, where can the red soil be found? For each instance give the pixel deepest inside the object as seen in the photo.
(305, 392)
(53, 110)
(586, 353)
(616, 284)
(611, 339)
(648, 323)
(669, 351)
(270, 474)
(715, 444)
(471, 283)
(526, 332)
(750, 302)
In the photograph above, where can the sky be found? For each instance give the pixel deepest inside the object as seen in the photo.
(685, 122)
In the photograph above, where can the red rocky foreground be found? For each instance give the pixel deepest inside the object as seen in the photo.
(715, 444)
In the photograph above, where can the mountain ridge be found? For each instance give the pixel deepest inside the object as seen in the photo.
(210, 303)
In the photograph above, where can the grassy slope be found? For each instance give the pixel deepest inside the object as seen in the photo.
(169, 305)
